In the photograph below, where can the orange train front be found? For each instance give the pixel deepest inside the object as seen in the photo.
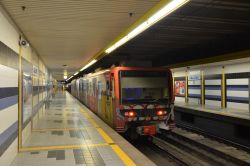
(135, 101)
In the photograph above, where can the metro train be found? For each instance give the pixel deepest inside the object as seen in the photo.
(134, 101)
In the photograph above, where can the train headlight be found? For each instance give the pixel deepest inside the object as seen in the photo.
(161, 112)
(130, 114)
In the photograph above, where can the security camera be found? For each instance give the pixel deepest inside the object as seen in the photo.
(23, 42)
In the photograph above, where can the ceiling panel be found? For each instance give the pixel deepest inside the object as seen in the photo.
(200, 29)
(72, 31)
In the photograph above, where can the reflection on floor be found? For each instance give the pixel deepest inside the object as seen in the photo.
(66, 136)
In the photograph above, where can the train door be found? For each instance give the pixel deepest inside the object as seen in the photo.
(99, 97)
(112, 92)
(109, 106)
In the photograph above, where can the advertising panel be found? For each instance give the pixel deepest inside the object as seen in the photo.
(27, 96)
(179, 88)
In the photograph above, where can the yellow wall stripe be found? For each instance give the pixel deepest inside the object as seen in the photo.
(20, 79)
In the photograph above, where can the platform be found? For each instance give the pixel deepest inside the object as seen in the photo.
(233, 125)
(236, 113)
(69, 134)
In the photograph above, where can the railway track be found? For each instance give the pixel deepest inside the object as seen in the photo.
(195, 149)
(206, 134)
(154, 153)
(180, 156)
(184, 148)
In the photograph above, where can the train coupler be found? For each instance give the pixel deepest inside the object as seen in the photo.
(147, 130)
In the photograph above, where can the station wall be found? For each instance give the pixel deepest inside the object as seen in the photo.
(219, 85)
(35, 90)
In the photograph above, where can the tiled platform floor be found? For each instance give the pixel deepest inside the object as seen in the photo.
(67, 135)
(242, 114)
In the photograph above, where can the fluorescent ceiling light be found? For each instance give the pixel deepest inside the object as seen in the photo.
(160, 14)
(89, 64)
(76, 73)
(69, 78)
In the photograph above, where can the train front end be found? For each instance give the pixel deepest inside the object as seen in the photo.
(146, 101)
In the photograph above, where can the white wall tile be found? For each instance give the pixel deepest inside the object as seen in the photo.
(179, 73)
(8, 116)
(196, 82)
(213, 82)
(194, 91)
(9, 76)
(8, 34)
(213, 92)
(242, 81)
(238, 93)
(212, 70)
(9, 154)
(237, 68)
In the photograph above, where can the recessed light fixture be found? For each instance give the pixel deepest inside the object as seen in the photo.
(89, 64)
(157, 16)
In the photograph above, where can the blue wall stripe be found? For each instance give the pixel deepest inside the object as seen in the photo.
(208, 85)
(8, 101)
(213, 88)
(237, 86)
(237, 89)
(194, 95)
(7, 137)
(213, 97)
(193, 87)
(238, 99)
(8, 91)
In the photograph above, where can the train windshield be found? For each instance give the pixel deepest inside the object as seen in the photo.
(144, 87)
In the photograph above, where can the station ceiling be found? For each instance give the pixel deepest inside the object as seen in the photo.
(72, 32)
(199, 30)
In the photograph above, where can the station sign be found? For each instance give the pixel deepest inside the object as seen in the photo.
(194, 75)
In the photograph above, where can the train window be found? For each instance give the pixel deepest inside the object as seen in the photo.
(107, 85)
(148, 88)
(112, 87)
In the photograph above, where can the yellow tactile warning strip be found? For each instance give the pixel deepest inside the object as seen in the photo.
(109, 142)
(61, 147)
(123, 156)
(58, 129)
(105, 136)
